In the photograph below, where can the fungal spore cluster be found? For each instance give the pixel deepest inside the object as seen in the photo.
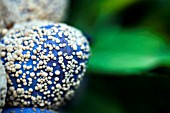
(44, 64)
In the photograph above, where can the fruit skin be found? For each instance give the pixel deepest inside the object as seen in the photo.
(26, 110)
(44, 64)
(16, 11)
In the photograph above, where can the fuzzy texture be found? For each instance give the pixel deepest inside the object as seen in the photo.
(27, 110)
(15, 11)
(3, 86)
(3, 31)
(22, 25)
(45, 64)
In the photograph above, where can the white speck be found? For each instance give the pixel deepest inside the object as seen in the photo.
(57, 72)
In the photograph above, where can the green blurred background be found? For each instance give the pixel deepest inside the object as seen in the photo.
(129, 68)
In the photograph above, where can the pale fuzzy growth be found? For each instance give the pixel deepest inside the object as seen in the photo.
(23, 25)
(3, 31)
(44, 64)
(3, 86)
(15, 11)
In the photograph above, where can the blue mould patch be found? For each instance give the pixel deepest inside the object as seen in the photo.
(25, 110)
(44, 64)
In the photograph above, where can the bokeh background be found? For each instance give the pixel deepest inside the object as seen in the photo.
(129, 68)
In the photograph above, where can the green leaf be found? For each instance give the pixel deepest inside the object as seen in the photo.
(88, 14)
(108, 8)
(127, 52)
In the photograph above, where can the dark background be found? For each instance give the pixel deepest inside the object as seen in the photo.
(129, 68)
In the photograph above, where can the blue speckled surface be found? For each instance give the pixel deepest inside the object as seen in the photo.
(25, 110)
(68, 50)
